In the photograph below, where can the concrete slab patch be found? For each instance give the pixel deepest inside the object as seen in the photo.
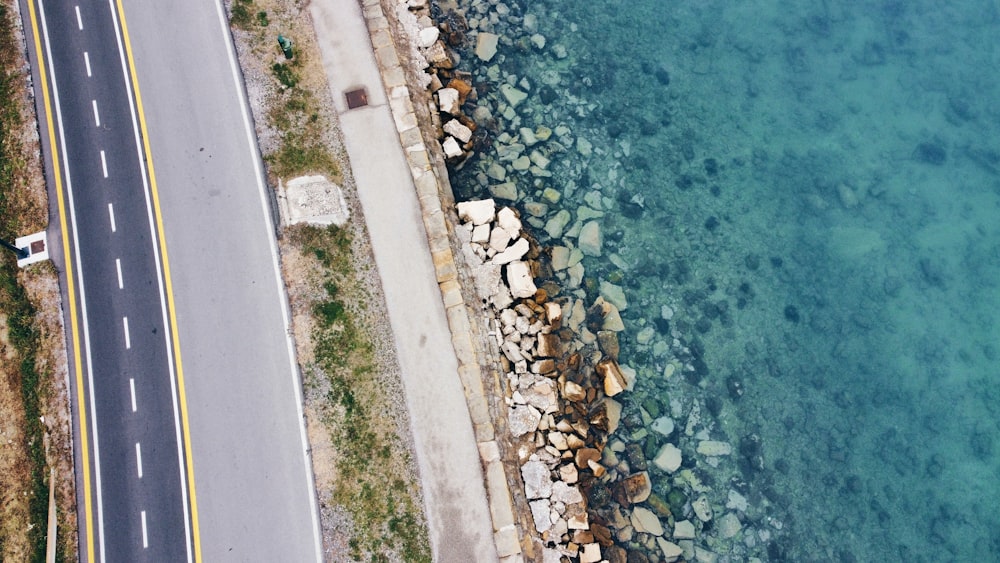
(314, 200)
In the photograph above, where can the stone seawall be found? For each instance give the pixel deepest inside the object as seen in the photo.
(416, 122)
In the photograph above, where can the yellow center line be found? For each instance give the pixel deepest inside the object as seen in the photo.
(70, 286)
(171, 311)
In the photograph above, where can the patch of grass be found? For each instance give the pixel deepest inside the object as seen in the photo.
(239, 14)
(262, 19)
(370, 483)
(285, 74)
(301, 155)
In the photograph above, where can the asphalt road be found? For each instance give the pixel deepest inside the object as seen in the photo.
(254, 483)
(139, 510)
(233, 387)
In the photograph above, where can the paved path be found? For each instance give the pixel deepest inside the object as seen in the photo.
(455, 498)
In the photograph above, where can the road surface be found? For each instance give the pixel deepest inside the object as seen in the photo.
(189, 433)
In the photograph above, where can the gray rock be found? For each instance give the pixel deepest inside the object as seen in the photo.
(523, 419)
(537, 481)
(591, 241)
(541, 511)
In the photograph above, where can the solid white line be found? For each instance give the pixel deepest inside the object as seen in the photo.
(118, 266)
(138, 459)
(128, 340)
(145, 538)
(282, 296)
(181, 463)
(111, 213)
(79, 20)
(131, 388)
(104, 164)
(97, 116)
(79, 275)
(86, 60)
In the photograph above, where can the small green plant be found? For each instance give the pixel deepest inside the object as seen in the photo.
(284, 73)
(262, 18)
(240, 13)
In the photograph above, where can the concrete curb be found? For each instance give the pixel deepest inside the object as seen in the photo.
(430, 178)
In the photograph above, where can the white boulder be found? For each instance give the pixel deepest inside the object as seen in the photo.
(478, 212)
(508, 221)
(451, 148)
(514, 252)
(428, 36)
(519, 280)
(457, 130)
(448, 100)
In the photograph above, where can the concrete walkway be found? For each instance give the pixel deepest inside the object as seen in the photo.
(455, 498)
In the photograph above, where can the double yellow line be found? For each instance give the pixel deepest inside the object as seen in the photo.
(71, 287)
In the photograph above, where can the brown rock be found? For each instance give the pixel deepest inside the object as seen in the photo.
(544, 367)
(584, 455)
(573, 392)
(608, 342)
(637, 487)
(611, 374)
(574, 442)
(549, 346)
(463, 87)
(602, 534)
(583, 536)
(597, 468)
(438, 56)
(541, 296)
(616, 554)
(553, 314)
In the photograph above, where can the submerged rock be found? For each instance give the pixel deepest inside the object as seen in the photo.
(486, 45)
(590, 241)
(668, 459)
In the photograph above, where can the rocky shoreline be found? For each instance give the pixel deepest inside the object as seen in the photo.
(559, 353)
(593, 477)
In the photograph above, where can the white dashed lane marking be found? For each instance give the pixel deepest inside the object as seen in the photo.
(86, 61)
(111, 213)
(138, 459)
(131, 387)
(128, 340)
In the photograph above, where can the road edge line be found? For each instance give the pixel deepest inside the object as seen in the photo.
(70, 287)
(171, 309)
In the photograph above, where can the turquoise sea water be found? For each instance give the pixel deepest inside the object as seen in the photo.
(810, 191)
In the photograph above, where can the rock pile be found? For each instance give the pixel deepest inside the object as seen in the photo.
(562, 370)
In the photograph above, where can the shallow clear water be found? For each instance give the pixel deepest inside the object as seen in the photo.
(813, 189)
